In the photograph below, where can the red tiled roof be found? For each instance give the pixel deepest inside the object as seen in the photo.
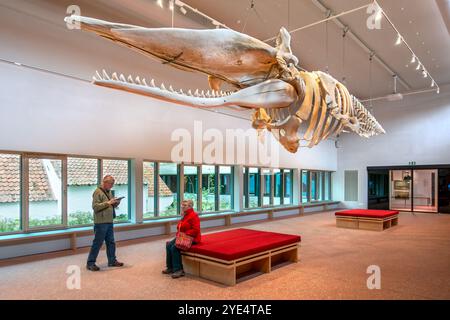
(9, 178)
(80, 172)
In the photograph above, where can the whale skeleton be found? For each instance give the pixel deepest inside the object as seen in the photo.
(286, 101)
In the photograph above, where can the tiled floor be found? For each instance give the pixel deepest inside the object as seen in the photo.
(414, 259)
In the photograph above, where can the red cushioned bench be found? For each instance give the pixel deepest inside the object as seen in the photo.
(228, 256)
(377, 220)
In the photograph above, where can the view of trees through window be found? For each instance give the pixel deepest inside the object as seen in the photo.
(208, 188)
(191, 184)
(168, 189)
(226, 188)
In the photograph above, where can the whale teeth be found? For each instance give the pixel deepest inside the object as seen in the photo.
(105, 75)
(137, 80)
(181, 91)
(190, 92)
(203, 94)
(122, 78)
(171, 89)
(94, 78)
(152, 83)
(196, 93)
(115, 77)
(162, 86)
(130, 79)
(144, 82)
(97, 75)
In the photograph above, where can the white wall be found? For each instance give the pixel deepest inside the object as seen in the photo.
(417, 129)
(44, 112)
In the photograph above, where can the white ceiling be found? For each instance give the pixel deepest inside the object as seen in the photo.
(423, 24)
(419, 21)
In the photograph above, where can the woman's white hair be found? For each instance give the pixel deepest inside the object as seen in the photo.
(189, 202)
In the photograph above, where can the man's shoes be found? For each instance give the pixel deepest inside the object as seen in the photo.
(167, 271)
(115, 264)
(92, 267)
(178, 274)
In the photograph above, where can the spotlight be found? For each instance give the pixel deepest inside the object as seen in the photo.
(171, 5)
(399, 40)
(418, 66)
(425, 74)
(438, 90)
(433, 83)
(183, 10)
(413, 60)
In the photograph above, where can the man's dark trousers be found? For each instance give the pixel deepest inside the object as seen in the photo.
(103, 232)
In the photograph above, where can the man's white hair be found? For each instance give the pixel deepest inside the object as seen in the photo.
(108, 178)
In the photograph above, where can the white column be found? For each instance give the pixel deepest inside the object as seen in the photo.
(136, 190)
(238, 188)
(296, 183)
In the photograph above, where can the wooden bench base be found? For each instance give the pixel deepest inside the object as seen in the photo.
(375, 224)
(229, 272)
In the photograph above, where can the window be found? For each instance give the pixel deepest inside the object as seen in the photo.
(287, 186)
(267, 187)
(44, 192)
(252, 188)
(313, 186)
(305, 186)
(148, 189)
(208, 188)
(10, 202)
(120, 171)
(320, 176)
(191, 184)
(168, 190)
(225, 188)
(82, 180)
(327, 186)
(278, 186)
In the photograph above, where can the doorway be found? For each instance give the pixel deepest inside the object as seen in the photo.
(414, 190)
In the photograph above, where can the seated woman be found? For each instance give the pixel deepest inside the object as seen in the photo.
(190, 225)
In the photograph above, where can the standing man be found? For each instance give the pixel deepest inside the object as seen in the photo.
(104, 205)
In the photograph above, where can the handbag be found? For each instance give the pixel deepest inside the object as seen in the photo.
(183, 241)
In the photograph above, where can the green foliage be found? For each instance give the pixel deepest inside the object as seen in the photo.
(9, 225)
(80, 218)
